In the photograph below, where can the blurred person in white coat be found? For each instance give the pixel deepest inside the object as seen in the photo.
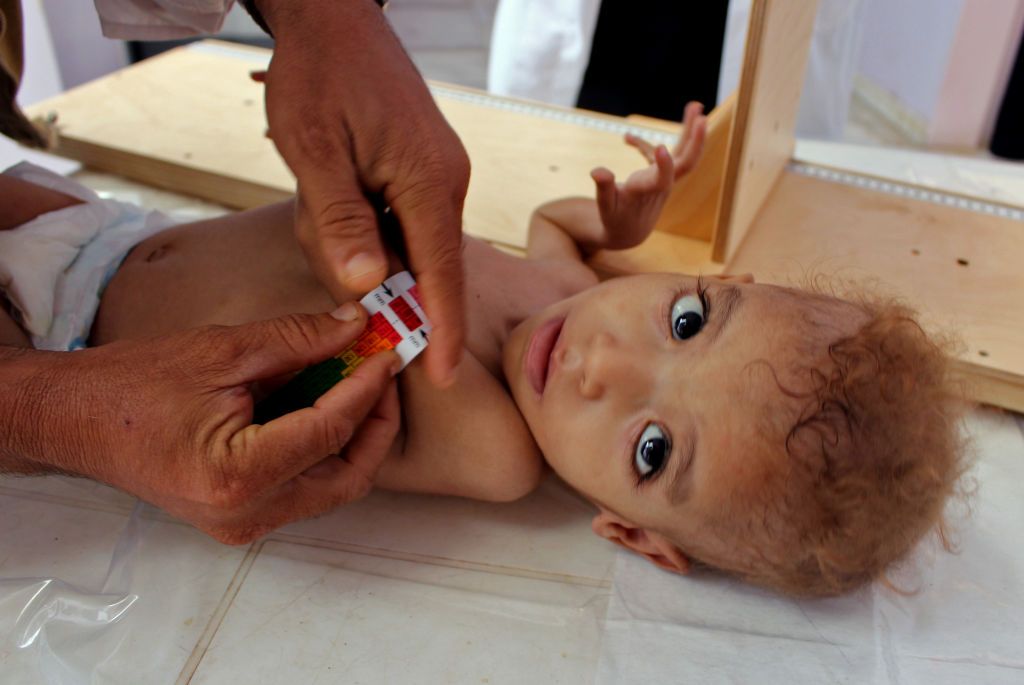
(542, 49)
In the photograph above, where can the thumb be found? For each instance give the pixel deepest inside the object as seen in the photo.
(337, 228)
(270, 348)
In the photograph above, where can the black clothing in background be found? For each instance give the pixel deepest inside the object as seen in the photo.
(1008, 137)
(653, 57)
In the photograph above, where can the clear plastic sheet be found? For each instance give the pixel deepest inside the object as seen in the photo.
(108, 586)
(964, 622)
(395, 588)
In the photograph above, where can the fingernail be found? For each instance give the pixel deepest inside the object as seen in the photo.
(347, 312)
(362, 265)
(396, 365)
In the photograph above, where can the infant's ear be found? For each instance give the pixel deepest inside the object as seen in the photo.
(655, 546)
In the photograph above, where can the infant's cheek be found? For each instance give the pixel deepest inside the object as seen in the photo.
(568, 468)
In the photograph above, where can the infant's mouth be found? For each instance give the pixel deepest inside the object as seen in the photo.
(538, 353)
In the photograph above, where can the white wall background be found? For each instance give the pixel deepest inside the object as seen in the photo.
(41, 78)
(906, 48)
(82, 52)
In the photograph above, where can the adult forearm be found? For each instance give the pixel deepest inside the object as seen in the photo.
(43, 428)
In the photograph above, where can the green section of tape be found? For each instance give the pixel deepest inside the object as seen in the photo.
(301, 391)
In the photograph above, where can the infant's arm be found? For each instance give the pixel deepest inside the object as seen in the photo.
(621, 215)
(468, 440)
(569, 228)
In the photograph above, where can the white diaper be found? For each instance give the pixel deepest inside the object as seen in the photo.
(54, 268)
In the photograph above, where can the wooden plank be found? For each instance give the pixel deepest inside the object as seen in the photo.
(191, 120)
(761, 142)
(183, 120)
(661, 252)
(962, 269)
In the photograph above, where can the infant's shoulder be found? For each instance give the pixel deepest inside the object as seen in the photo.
(494, 272)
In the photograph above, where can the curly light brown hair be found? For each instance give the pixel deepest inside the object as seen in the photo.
(865, 470)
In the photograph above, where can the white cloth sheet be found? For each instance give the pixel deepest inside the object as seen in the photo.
(964, 623)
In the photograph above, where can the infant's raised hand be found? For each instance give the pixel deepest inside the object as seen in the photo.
(688, 148)
(629, 210)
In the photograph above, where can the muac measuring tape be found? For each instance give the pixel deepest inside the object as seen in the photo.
(396, 322)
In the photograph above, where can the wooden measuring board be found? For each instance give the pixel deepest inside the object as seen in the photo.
(191, 120)
(956, 259)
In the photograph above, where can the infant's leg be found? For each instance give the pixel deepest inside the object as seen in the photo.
(21, 201)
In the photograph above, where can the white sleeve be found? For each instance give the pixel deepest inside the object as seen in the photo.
(160, 19)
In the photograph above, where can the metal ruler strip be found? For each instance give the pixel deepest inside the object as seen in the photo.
(651, 135)
(898, 189)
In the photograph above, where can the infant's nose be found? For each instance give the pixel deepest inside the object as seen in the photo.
(602, 366)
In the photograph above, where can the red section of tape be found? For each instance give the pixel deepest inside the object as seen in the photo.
(404, 312)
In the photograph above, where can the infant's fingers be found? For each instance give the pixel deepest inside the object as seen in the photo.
(691, 113)
(690, 154)
(666, 165)
(642, 146)
(604, 178)
(606, 189)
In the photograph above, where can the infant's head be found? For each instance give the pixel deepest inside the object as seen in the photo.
(795, 439)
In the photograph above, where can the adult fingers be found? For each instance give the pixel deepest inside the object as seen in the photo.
(273, 347)
(282, 449)
(366, 450)
(337, 228)
(343, 478)
(431, 221)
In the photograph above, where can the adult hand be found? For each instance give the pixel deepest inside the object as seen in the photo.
(169, 420)
(350, 115)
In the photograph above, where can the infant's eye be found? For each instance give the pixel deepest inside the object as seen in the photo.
(687, 317)
(651, 451)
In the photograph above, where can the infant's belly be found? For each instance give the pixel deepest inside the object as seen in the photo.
(235, 269)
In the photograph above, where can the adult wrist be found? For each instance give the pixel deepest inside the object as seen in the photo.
(270, 13)
(42, 414)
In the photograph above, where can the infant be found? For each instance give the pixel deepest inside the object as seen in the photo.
(793, 438)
